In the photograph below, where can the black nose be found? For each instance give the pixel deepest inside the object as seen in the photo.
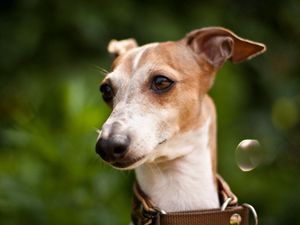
(113, 148)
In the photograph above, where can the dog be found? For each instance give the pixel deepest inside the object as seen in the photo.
(163, 123)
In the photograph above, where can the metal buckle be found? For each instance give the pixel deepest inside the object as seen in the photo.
(149, 216)
(225, 204)
(252, 209)
(160, 211)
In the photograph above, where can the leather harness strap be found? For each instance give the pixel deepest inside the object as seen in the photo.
(144, 212)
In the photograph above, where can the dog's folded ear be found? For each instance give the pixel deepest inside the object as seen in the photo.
(217, 45)
(118, 48)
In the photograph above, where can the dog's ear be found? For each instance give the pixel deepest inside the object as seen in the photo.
(217, 45)
(118, 48)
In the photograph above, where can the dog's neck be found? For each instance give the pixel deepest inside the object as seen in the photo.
(186, 182)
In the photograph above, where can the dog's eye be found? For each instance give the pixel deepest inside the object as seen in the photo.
(107, 92)
(161, 84)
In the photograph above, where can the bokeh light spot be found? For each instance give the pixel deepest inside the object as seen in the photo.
(285, 113)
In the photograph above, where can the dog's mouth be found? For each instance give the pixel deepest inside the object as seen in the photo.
(127, 163)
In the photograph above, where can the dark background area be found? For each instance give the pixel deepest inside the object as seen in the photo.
(50, 108)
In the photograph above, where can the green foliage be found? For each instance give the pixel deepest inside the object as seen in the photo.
(50, 107)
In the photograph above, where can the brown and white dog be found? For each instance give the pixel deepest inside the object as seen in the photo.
(163, 123)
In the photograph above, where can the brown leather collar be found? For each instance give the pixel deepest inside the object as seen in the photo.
(144, 212)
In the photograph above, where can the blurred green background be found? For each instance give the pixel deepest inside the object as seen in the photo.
(50, 106)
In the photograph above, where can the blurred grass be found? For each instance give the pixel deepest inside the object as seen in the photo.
(50, 107)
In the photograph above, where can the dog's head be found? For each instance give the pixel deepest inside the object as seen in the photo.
(156, 91)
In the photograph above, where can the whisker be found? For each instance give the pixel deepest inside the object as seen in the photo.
(97, 130)
(103, 72)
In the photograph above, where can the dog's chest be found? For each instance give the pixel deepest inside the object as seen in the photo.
(183, 183)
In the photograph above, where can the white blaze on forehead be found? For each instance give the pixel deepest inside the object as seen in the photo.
(119, 76)
(139, 54)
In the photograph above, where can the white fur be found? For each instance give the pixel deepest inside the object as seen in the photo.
(184, 179)
(139, 54)
(148, 129)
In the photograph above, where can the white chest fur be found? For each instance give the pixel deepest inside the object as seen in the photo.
(185, 182)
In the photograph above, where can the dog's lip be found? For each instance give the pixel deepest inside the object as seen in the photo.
(125, 163)
(129, 163)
